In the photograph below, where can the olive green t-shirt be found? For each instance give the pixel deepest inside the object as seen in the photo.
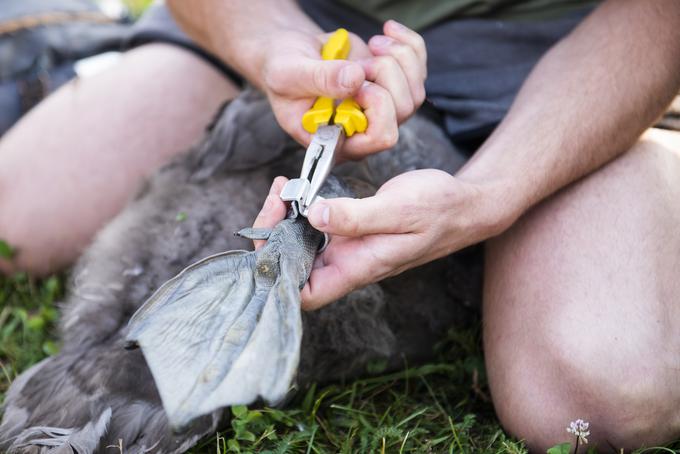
(418, 14)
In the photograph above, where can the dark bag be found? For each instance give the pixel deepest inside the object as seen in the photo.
(40, 41)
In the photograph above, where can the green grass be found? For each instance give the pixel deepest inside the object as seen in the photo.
(27, 324)
(137, 7)
(439, 407)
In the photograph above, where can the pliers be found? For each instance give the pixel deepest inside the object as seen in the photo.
(329, 125)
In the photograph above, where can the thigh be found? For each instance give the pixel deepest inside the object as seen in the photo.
(581, 304)
(76, 159)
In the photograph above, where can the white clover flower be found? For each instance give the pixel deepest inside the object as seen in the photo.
(580, 429)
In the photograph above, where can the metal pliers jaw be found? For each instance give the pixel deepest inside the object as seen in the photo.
(319, 160)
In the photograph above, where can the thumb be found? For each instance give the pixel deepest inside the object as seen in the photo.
(310, 77)
(355, 217)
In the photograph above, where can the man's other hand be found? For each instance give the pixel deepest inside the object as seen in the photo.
(414, 218)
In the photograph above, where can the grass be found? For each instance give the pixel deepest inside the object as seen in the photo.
(27, 324)
(137, 7)
(441, 407)
(437, 407)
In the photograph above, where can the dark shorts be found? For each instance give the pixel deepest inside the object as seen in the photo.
(475, 66)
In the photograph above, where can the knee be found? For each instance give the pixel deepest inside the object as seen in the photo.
(580, 313)
(627, 400)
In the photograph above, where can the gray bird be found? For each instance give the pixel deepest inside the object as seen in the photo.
(95, 393)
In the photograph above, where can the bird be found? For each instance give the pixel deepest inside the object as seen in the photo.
(95, 393)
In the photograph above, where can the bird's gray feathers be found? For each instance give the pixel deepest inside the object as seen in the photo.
(73, 389)
(246, 132)
(65, 441)
(149, 243)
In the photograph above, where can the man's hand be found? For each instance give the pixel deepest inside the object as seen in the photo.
(414, 218)
(277, 47)
(386, 77)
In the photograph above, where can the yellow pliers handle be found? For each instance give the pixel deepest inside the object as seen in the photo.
(348, 113)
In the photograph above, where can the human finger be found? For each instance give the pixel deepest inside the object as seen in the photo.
(357, 217)
(408, 61)
(402, 33)
(383, 129)
(273, 210)
(289, 115)
(388, 73)
(304, 77)
(351, 263)
(325, 285)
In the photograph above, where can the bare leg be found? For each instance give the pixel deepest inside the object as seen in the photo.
(76, 159)
(582, 306)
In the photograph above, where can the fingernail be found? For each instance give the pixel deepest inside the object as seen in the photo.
(381, 41)
(319, 214)
(349, 76)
